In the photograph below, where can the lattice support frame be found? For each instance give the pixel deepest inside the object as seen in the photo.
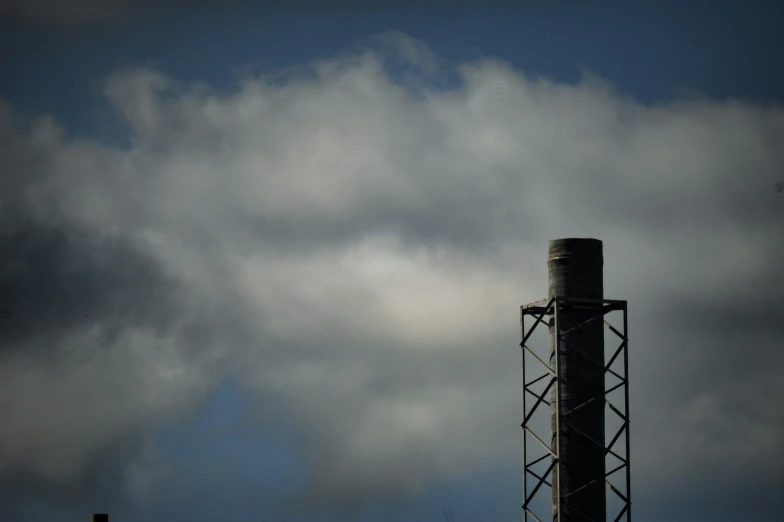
(553, 307)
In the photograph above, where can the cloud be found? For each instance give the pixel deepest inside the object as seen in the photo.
(354, 247)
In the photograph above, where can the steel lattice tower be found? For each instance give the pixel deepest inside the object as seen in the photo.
(576, 316)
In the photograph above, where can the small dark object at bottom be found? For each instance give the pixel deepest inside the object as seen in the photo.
(100, 517)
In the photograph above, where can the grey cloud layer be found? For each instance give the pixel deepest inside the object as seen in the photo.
(356, 252)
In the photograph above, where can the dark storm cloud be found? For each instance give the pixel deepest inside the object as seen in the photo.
(56, 280)
(78, 310)
(69, 301)
(356, 255)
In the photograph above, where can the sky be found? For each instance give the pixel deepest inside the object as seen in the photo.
(265, 262)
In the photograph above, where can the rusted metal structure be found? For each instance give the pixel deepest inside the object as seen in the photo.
(575, 313)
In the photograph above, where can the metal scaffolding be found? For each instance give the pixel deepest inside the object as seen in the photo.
(554, 308)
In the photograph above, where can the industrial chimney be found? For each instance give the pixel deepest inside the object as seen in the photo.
(575, 270)
(575, 313)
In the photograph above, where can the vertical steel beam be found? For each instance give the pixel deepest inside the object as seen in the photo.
(555, 398)
(525, 446)
(626, 412)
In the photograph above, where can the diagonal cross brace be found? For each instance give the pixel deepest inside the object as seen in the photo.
(620, 515)
(539, 484)
(547, 366)
(590, 359)
(538, 320)
(539, 400)
(592, 440)
(612, 442)
(540, 478)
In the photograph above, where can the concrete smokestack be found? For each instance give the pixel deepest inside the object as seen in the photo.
(575, 269)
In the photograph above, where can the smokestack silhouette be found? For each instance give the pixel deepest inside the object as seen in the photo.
(575, 269)
(99, 517)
